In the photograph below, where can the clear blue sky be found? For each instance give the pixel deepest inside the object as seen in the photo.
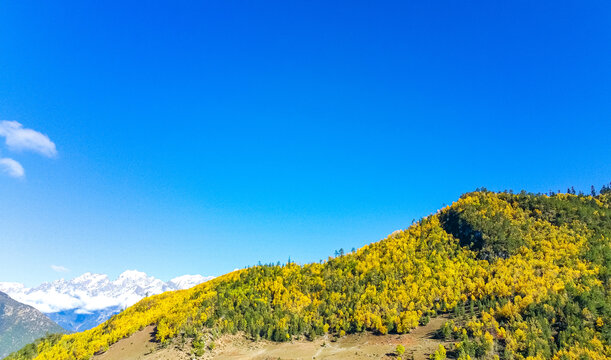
(199, 137)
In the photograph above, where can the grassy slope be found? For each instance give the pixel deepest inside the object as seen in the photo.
(536, 268)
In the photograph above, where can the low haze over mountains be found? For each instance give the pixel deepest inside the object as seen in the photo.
(88, 300)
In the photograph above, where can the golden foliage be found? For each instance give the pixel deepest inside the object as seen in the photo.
(520, 260)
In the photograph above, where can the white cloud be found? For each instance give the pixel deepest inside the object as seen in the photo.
(19, 138)
(48, 301)
(11, 168)
(59, 268)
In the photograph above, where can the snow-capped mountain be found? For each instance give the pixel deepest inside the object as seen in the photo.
(188, 281)
(90, 299)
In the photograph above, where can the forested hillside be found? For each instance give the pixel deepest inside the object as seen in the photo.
(523, 275)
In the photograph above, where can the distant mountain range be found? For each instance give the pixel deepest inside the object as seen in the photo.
(90, 299)
(74, 320)
(21, 324)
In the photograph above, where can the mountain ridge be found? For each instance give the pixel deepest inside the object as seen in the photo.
(21, 324)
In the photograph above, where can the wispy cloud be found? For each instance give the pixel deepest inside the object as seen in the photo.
(19, 138)
(60, 269)
(11, 168)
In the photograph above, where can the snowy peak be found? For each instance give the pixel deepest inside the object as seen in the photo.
(91, 292)
(89, 278)
(135, 277)
(189, 281)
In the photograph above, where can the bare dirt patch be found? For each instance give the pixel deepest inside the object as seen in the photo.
(419, 344)
(141, 345)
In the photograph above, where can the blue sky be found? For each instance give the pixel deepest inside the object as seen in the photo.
(199, 137)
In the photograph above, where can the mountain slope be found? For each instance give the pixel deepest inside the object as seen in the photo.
(524, 275)
(419, 344)
(21, 324)
(90, 299)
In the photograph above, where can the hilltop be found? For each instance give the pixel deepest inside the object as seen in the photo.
(517, 275)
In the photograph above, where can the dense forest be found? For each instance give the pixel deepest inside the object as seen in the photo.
(523, 276)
